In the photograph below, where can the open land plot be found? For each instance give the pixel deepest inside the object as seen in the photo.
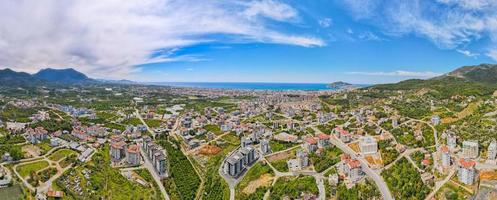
(256, 182)
(11, 193)
(25, 169)
(61, 154)
(293, 187)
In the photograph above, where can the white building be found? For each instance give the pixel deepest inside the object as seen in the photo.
(435, 120)
(470, 149)
(446, 159)
(133, 155)
(302, 158)
(353, 170)
(265, 148)
(451, 141)
(368, 145)
(492, 150)
(466, 172)
(117, 151)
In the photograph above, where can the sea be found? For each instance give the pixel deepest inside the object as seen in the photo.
(253, 86)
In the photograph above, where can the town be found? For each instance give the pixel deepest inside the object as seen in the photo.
(118, 141)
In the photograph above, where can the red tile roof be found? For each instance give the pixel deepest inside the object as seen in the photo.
(467, 163)
(133, 148)
(118, 145)
(342, 131)
(310, 140)
(444, 148)
(354, 164)
(323, 136)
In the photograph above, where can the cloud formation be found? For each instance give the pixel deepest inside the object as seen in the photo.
(467, 53)
(426, 74)
(450, 24)
(110, 37)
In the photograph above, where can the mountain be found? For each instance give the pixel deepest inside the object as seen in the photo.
(62, 76)
(483, 73)
(339, 85)
(10, 77)
(121, 82)
(468, 80)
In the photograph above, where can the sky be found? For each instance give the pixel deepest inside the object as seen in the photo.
(296, 41)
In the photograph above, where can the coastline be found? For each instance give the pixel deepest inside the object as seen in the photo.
(255, 86)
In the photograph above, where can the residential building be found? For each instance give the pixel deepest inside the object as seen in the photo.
(36, 135)
(310, 144)
(117, 150)
(451, 141)
(265, 148)
(446, 159)
(435, 120)
(133, 155)
(302, 158)
(470, 149)
(466, 172)
(344, 135)
(160, 163)
(353, 170)
(492, 150)
(248, 154)
(246, 141)
(234, 165)
(368, 145)
(323, 140)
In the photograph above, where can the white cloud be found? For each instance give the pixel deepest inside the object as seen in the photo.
(109, 37)
(325, 23)
(492, 54)
(350, 31)
(467, 53)
(426, 74)
(368, 36)
(450, 24)
(272, 9)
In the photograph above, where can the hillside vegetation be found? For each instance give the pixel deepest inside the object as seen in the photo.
(442, 87)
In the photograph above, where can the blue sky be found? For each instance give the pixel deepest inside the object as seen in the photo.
(318, 41)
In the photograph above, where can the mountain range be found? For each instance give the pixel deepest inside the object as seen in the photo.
(49, 76)
(467, 80)
(473, 80)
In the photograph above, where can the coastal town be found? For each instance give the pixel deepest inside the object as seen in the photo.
(118, 141)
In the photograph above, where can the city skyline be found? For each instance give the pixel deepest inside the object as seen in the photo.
(364, 42)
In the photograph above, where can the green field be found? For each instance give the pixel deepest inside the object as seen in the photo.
(105, 182)
(404, 181)
(11, 193)
(153, 123)
(213, 128)
(255, 173)
(184, 181)
(60, 154)
(25, 169)
(292, 187)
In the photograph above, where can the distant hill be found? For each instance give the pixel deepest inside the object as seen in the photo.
(483, 73)
(62, 76)
(48, 76)
(339, 85)
(467, 80)
(122, 81)
(10, 77)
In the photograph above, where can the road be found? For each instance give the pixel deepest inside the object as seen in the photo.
(156, 176)
(382, 186)
(440, 184)
(148, 164)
